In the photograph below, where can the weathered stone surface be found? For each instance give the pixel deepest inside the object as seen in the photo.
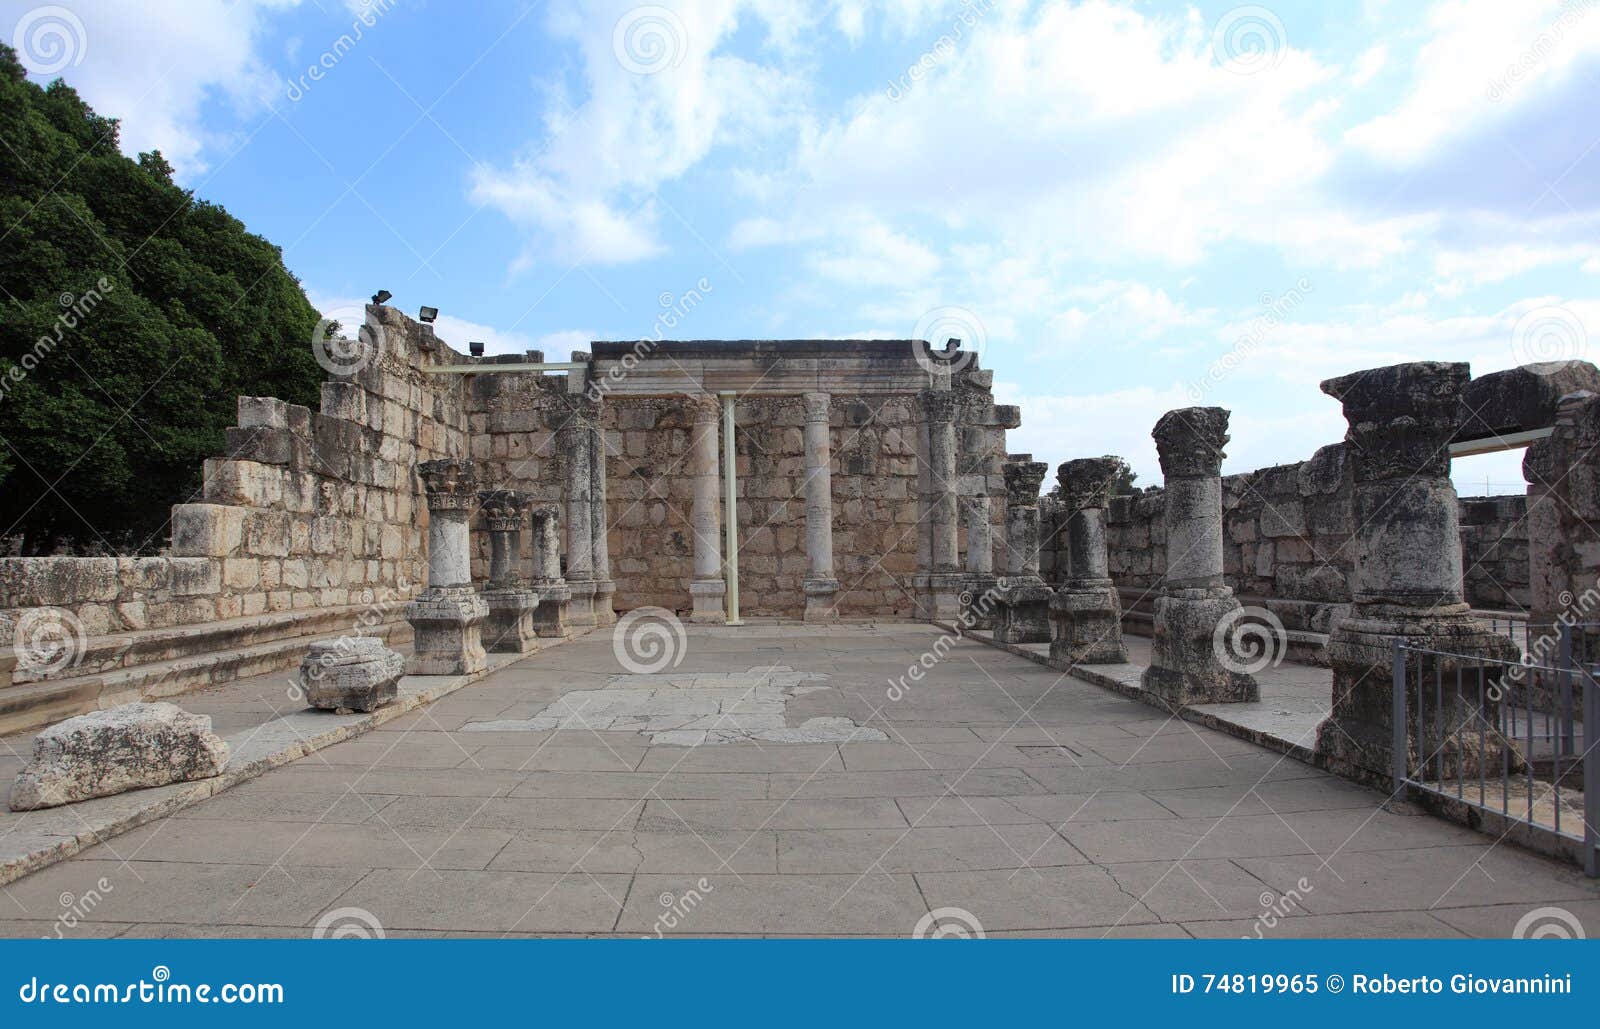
(448, 623)
(122, 748)
(509, 628)
(352, 673)
(1517, 399)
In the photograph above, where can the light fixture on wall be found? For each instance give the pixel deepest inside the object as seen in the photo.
(475, 348)
(428, 314)
(382, 296)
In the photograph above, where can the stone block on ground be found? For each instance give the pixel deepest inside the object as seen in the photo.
(134, 746)
(352, 673)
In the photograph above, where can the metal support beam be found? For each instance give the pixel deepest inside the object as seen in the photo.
(493, 367)
(1495, 444)
(730, 478)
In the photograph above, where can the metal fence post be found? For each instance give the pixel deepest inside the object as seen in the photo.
(1399, 739)
(1591, 771)
(1565, 711)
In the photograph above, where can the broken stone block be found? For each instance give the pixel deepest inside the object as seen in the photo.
(131, 747)
(351, 674)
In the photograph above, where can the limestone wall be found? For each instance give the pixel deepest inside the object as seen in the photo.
(1287, 536)
(303, 510)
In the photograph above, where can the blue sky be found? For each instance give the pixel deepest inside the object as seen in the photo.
(1132, 207)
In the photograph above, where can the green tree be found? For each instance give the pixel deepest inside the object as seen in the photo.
(134, 314)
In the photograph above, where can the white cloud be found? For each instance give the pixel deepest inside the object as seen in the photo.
(157, 63)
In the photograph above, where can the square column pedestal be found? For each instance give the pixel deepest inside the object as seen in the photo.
(448, 622)
(550, 617)
(943, 596)
(705, 599)
(1022, 611)
(580, 608)
(508, 628)
(821, 595)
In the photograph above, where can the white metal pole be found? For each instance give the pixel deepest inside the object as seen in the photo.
(730, 476)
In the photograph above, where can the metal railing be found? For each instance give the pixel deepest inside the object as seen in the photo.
(1506, 736)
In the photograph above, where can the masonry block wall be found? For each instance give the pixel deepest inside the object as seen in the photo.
(305, 510)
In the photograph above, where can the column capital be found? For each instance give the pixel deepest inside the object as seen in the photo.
(940, 404)
(504, 510)
(450, 484)
(1086, 482)
(1401, 418)
(817, 405)
(1022, 481)
(707, 407)
(1189, 441)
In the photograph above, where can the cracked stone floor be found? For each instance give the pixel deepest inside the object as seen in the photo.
(1034, 804)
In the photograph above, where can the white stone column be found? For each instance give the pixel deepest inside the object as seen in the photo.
(1086, 614)
(977, 598)
(599, 536)
(706, 589)
(555, 597)
(1022, 600)
(509, 628)
(945, 579)
(447, 617)
(575, 446)
(821, 588)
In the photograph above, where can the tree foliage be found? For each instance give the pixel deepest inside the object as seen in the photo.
(134, 314)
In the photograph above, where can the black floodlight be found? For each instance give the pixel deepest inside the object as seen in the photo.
(428, 314)
(382, 296)
(475, 348)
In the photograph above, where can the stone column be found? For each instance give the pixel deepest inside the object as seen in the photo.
(550, 617)
(1085, 613)
(922, 604)
(448, 615)
(1192, 658)
(509, 626)
(1022, 600)
(821, 588)
(1406, 580)
(944, 578)
(977, 599)
(576, 442)
(707, 589)
(599, 536)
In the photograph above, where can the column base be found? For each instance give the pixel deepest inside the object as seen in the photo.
(1357, 737)
(580, 609)
(978, 601)
(821, 595)
(604, 613)
(550, 617)
(1086, 625)
(448, 624)
(921, 602)
(509, 627)
(705, 599)
(1187, 658)
(942, 596)
(1022, 610)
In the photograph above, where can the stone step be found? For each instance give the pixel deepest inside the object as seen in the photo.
(128, 649)
(33, 705)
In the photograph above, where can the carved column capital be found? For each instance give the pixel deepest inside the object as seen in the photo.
(1401, 418)
(1189, 441)
(450, 484)
(817, 405)
(1086, 482)
(504, 509)
(1022, 481)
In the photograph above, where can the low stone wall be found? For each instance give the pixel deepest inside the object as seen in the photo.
(1287, 539)
(304, 510)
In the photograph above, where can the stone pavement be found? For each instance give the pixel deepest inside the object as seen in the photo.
(1033, 803)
